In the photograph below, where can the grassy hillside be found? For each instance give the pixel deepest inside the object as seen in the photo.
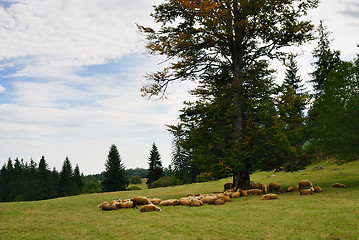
(333, 214)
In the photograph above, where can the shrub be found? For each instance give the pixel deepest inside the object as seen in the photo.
(165, 181)
(135, 180)
(133, 188)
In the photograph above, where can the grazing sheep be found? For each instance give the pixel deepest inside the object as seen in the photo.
(254, 191)
(307, 191)
(169, 202)
(216, 201)
(292, 189)
(256, 185)
(318, 189)
(140, 201)
(275, 187)
(150, 208)
(195, 203)
(108, 207)
(228, 186)
(270, 196)
(338, 185)
(305, 183)
(265, 188)
(155, 201)
(185, 201)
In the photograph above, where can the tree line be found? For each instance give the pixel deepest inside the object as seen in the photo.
(23, 181)
(241, 120)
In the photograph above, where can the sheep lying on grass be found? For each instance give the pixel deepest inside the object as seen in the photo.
(254, 192)
(140, 201)
(318, 189)
(256, 185)
(307, 191)
(291, 189)
(269, 196)
(108, 207)
(216, 201)
(155, 201)
(338, 185)
(150, 208)
(195, 203)
(169, 202)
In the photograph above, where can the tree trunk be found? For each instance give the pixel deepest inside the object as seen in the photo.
(241, 180)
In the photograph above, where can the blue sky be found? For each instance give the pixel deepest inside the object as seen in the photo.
(70, 74)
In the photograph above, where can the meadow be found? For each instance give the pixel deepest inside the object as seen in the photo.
(332, 214)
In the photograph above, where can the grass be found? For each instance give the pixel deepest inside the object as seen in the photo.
(333, 214)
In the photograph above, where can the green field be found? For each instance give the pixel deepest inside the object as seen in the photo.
(332, 214)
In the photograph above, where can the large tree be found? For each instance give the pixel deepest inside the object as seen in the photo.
(206, 37)
(65, 184)
(115, 174)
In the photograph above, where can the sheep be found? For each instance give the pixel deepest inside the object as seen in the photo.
(140, 201)
(224, 197)
(305, 183)
(195, 203)
(318, 189)
(254, 191)
(108, 207)
(155, 201)
(216, 201)
(185, 201)
(307, 191)
(256, 185)
(100, 205)
(169, 202)
(270, 196)
(265, 188)
(206, 199)
(150, 208)
(243, 193)
(228, 186)
(291, 189)
(275, 187)
(338, 185)
(235, 194)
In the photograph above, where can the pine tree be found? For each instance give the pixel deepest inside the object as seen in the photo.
(115, 175)
(44, 188)
(327, 60)
(77, 180)
(65, 185)
(155, 170)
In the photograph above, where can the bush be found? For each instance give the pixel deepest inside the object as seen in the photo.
(133, 188)
(165, 181)
(135, 180)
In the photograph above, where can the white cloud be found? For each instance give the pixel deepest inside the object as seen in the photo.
(2, 89)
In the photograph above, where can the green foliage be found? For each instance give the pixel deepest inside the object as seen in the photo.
(65, 187)
(115, 175)
(133, 188)
(91, 185)
(135, 180)
(337, 119)
(165, 181)
(142, 172)
(327, 60)
(155, 170)
(203, 177)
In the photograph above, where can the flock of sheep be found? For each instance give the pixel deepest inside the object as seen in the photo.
(305, 187)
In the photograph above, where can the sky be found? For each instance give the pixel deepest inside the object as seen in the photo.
(71, 71)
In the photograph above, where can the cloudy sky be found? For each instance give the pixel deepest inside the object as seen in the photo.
(70, 74)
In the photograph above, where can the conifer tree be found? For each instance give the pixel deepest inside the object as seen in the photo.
(65, 185)
(115, 174)
(155, 170)
(44, 188)
(77, 180)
